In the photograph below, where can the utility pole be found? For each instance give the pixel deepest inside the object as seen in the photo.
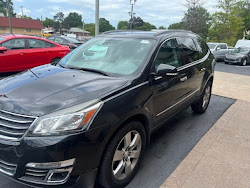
(8, 8)
(96, 17)
(22, 10)
(83, 24)
(132, 2)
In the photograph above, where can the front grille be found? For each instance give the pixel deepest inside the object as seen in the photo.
(35, 175)
(14, 126)
(7, 168)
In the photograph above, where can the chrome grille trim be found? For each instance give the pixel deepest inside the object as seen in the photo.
(7, 168)
(25, 116)
(14, 126)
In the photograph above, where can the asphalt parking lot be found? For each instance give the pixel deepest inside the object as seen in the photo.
(170, 144)
(233, 68)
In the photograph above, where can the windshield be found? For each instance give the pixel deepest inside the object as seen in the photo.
(121, 56)
(211, 46)
(1, 38)
(243, 51)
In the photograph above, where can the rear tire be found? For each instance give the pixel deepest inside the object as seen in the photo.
(202, 105)
(123, 156)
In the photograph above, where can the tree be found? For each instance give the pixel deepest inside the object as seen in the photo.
(26, 17)
(105, 25)
(243, 8)
(90, 28)
(123, 25)
(197, 18)
(73, 20)
(162, 27)
(59, 18)
(145, 27)
(227, 25)
(3, 8)
(178, 25)
(48, 22)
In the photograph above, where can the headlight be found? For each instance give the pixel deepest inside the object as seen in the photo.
(73, 119)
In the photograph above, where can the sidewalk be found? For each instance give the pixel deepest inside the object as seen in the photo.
(221, 159)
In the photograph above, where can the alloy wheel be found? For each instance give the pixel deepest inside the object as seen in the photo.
(244, 62)
(126, 155)
(206, 96)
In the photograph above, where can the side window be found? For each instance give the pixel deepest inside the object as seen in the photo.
(35, 43)
(188, 50)
(202, 47)
(169, 54)
(51, 38)
(14, 44)
(59, 40)
(223, 46)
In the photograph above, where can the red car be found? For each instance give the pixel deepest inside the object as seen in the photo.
(19, 52)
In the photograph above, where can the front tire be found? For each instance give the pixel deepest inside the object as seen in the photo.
(55, 61)
(243, 62)
(123, 156)
(202, 105)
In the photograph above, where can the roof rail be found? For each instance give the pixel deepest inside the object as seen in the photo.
(172, 30)
(121, 31)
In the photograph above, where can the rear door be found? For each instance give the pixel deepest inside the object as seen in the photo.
(38, 52)
(169, 91)
(15, 58)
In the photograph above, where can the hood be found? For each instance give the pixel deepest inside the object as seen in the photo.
(48, 88)
(234, 55)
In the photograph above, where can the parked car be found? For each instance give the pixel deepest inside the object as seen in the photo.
(219, 50)
(240, 56)
(89, 118)
(67, 41)
(240, 43)
(19, 53)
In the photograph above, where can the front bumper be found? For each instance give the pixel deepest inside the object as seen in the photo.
(79, 155)
(232, 61)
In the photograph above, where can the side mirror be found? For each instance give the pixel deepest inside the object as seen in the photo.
(166, 70)
(3, 49)
(218, 48)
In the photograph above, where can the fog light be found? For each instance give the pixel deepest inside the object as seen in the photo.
(58, 175)
(53, 173)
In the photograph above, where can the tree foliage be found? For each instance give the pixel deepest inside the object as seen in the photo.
(90, 28)
(48, 22)
(123, 25)
(73, 20)
(105, 25)
(178, 25)
(59, 19)
(162, 27)
(197, 18)
(3, 8)
(145, 27)
(227, 24)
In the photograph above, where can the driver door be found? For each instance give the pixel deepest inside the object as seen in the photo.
(169, 91)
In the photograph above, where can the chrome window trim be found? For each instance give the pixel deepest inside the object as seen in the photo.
(169, 108)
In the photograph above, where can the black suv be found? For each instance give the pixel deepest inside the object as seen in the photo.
(88, 119)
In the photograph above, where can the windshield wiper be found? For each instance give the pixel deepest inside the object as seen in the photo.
(88, 70)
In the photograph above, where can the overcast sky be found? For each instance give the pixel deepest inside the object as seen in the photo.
(157, 12)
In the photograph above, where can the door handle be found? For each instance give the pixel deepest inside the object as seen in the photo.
(203, 69)
(184, 79)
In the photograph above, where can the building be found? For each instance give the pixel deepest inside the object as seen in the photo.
(21, 26)
(79, 32)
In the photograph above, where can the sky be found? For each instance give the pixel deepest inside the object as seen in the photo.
(157, 12)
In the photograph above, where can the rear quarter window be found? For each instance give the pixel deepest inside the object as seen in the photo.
(188, 50)
(202, 47)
